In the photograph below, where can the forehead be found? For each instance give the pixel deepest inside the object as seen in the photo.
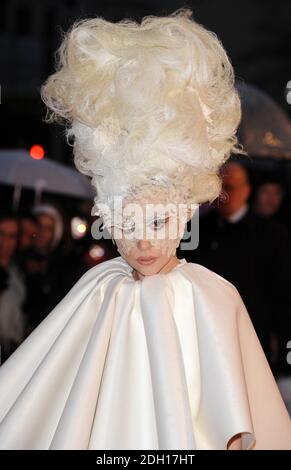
(150, 204)
(148, 212)
(149, 208)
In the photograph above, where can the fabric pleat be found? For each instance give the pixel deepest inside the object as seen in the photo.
(171, 361)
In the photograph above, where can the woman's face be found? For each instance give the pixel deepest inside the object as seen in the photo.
(153, 230)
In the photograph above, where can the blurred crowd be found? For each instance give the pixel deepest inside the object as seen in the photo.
(38, 266)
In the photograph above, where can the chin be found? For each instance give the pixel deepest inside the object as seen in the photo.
(147, 270)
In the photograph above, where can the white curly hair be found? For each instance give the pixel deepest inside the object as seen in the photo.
(151, 107)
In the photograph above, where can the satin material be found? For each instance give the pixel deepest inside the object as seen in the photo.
(168, 362)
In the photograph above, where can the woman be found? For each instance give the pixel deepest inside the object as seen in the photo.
(145, 353)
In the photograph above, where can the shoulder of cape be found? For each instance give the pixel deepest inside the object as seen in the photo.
(213, 282)
(112, 266)
(209, 281)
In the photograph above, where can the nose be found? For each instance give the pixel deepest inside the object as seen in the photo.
(144, 244)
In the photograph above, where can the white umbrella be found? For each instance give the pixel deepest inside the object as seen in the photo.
(19, 169)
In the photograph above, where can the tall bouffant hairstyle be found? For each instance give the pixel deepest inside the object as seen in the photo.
(147, 105)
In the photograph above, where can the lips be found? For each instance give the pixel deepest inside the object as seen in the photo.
(146, 260)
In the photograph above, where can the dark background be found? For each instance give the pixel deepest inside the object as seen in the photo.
(255, 34)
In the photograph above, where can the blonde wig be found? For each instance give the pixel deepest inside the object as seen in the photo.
(151, 108)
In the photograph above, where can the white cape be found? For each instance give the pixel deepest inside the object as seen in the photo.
(169, 362)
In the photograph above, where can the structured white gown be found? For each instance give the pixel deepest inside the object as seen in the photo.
(168, 362)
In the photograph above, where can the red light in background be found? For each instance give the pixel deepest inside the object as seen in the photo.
(36, 152)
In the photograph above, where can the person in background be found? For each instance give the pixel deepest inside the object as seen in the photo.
(268, 198)
(270, 201)
(50, 268)
(12, 290)
(27, 233)
(28, 230)
(50, 228)
(253, 253)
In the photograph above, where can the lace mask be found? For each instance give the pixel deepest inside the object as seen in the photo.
(162, 225)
